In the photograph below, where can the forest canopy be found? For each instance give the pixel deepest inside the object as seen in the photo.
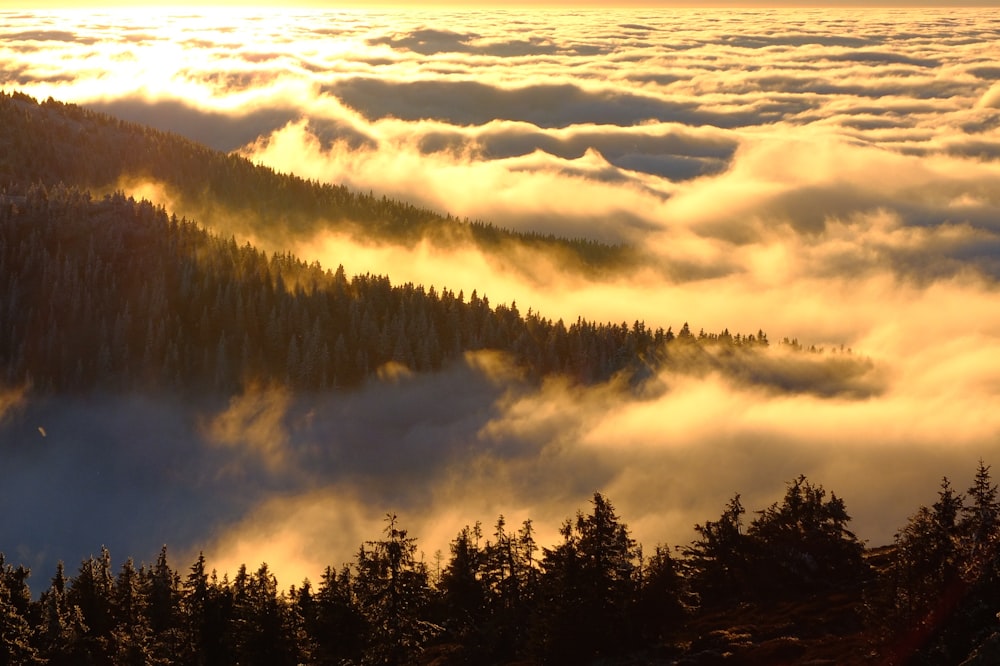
(53, 143)
(102, 293)
(793, 585)
(117, 294)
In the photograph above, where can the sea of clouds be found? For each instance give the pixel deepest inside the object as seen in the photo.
(826, 175)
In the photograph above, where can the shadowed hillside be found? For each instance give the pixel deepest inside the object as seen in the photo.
(56, 143)
(116, 294)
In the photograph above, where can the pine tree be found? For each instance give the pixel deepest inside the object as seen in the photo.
(660, 609)
(943, 584)
(718, 562)
(336, 625)
(803, 544)
(16, 635)
(207, 607)
(163, 587)
(587, 589)
(462, 588)
(264, 633)
(393, 593)
(130, 637)
(928, 561)
(981, 517)
(92, 591)
(60, 635)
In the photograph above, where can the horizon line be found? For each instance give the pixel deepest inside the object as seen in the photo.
(452, 5)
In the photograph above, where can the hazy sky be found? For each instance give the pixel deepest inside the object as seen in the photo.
(831, 176)
(412, 4)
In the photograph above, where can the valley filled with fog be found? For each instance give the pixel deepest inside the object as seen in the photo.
(830, 177)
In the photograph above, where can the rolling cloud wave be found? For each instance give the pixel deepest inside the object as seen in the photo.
(827, 175)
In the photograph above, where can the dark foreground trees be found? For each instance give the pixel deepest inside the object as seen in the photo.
(588, 589)
(392, 593)
(941, 593)
(793, 548)
(791, 585)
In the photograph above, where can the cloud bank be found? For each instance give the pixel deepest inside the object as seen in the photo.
(831, 176)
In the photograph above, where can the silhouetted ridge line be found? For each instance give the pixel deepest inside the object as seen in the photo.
(54, 143)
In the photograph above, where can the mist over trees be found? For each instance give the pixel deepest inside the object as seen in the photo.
(104, 294)
(117, 295)
(792, 586)
(112, 293)
(53, 143)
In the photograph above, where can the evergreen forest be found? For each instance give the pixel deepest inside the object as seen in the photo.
(101, 293)
(117, 295)
(791, 585)
(52, 143)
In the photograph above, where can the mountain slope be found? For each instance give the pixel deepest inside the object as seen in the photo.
(115, 294)
(56, 143)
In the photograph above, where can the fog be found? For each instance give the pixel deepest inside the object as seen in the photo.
(829, 176)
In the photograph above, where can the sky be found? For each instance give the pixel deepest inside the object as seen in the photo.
(490, 4)
(830, 176)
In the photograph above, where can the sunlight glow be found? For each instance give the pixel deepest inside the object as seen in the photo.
(831, 176)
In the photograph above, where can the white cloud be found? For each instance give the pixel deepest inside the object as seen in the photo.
(830, 176)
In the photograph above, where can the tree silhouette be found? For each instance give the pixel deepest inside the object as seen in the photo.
(718, 562)
(60, 635)
(660, 609)
(130, 636)
(392, 592)
(335, 622)
(15, 630)
(92, 591)
(587, 588)
(803, 544)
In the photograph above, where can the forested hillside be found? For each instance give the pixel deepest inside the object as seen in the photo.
(115, 294)
(105, 294)
(55, 143)
(792, 585)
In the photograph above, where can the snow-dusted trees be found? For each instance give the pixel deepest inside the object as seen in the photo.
(16, 645)
(392, 591)
(115, 294)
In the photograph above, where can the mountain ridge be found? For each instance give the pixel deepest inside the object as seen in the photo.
(70, 144)
(208, 312)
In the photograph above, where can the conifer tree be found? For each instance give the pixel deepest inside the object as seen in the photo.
(462, 587)
(980, 521)
(60, 635)
(718, 562)
(927, 557)
(393, 593)
(587, 588)
(130, 637)
(803, 544)
(207, 604)
(335, 623)
(92, 591)
(164, 603)
(264, 630)
(16, 634)
(660, 609)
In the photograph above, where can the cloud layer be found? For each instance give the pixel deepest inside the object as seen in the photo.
(831, 176)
